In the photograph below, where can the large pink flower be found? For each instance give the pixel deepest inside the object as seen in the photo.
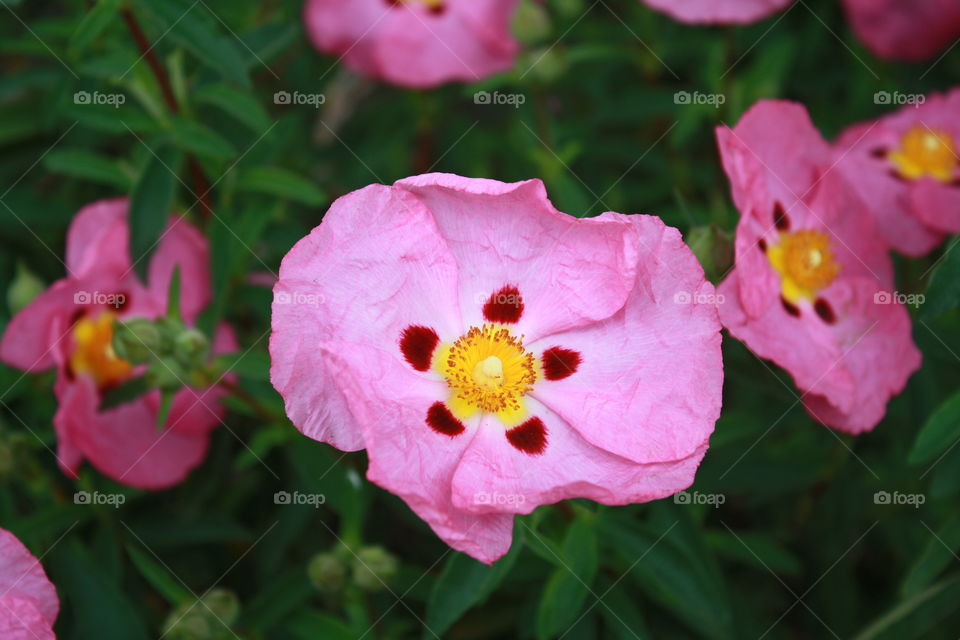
(719, 11)
(813, 285)
(905, 166)
(416, 43)
(28, 602)
(913, 30)
(69, 326)
(493, 354)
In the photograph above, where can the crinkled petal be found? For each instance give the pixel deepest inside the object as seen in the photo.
(20, 619)
(649, 384)
(719, 11)
(33, 336)
(897, 30)
(22, 576)
(937, 205)
(348, 32)
(97, 237)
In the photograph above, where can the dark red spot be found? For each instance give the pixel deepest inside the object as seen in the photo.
(504, 306)
(780, 218)
(878, 152)
(442, 421)
(439, 9)
(530, 437)
(417, 344)
(762, 244)
(790, 308)
(559, 363)
(825, 311)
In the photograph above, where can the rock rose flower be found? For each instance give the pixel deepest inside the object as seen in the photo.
(493, 354)
(905, 166)
(813, 285)
(913, 31)
(718, 11)
(28, 602)
(416, 43)
(70, 326)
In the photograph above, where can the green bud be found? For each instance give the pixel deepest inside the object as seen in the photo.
(531, 22)
(712, 247)
(24, 288)
(568, 8)
(209, 619)
(166, 373)
(546, 64)
(224, 604)
(327, 572)
(374, 567)
(191, 349)
(136, 340)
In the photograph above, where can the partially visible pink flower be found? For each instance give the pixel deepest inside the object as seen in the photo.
(906, 167)
(719, 11)
(913, 30)
(69, 326)
(416, 43)
(813, 285)
(493, 354)
(28, 602)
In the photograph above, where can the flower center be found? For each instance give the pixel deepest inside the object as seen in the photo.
(926, 152)
(93, 353)
(805, 262)
(487, 369)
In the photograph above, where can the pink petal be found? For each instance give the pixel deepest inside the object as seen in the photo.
(32, 338)
(347, 32)
(20, 619)
(649, 384)
(182, 245)
(22, 576)
(937, 204)
(718, 11)
(897, 30)
(97, 238)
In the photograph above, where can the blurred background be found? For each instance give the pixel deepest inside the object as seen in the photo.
(784, 535)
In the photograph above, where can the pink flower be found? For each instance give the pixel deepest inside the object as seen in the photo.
(416, 43)
(813, 285)
(69, 326)
(898, 30)
(28, 602)
(906, 168)
(493, 354)
(719, 11)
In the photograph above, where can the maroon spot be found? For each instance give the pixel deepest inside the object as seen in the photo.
(439, 9)
(780, 218)
(417, 344)
(878, 152)
(504, 306)
(790, 308)
(121, 301)
(762, 244)
(442, 421)
(559, 363)
(530, 437)
(825, 311)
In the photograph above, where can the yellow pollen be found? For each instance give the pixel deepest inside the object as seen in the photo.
(805, 263)
(93, 353)
(926, 152)
(487, 369)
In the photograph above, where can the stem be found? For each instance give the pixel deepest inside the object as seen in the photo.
(241, 394)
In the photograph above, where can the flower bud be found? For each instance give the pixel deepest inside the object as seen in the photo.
(374, 568)
(191, 348)
(136, 340)
(224, 604)
(209, 619)
(24, 288)
(327, 572)
(531, 22)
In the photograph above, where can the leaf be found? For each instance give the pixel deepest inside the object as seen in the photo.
(92, 25)
(173, 296)
(943, 291)
(939, 433)
(569, 585)
(163, 411)
(159, 577)
(463, 584)
(124, 393)
(915, 616)
(200, 139)
(239, 104)
(150, 205)
(758, 550)
(310, 625)
(935, 557)
(280, 182)
(87, 165)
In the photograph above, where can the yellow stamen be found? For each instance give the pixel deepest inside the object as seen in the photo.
(926, 152)
(93, 353)
(805, 263)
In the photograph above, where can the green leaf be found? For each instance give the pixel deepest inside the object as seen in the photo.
(758, 550)
(939, 433)
(569, 584)
(917, 615)
(173, 296)
(87, 165)
(310, 625)
(280, 182)
(124, 393)
(943, 292)
(239, 104)
(464, 583)
(150, 205)
(163, 411)
(200, 139)
(935, 557)
(159, 577)
(92, 25)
